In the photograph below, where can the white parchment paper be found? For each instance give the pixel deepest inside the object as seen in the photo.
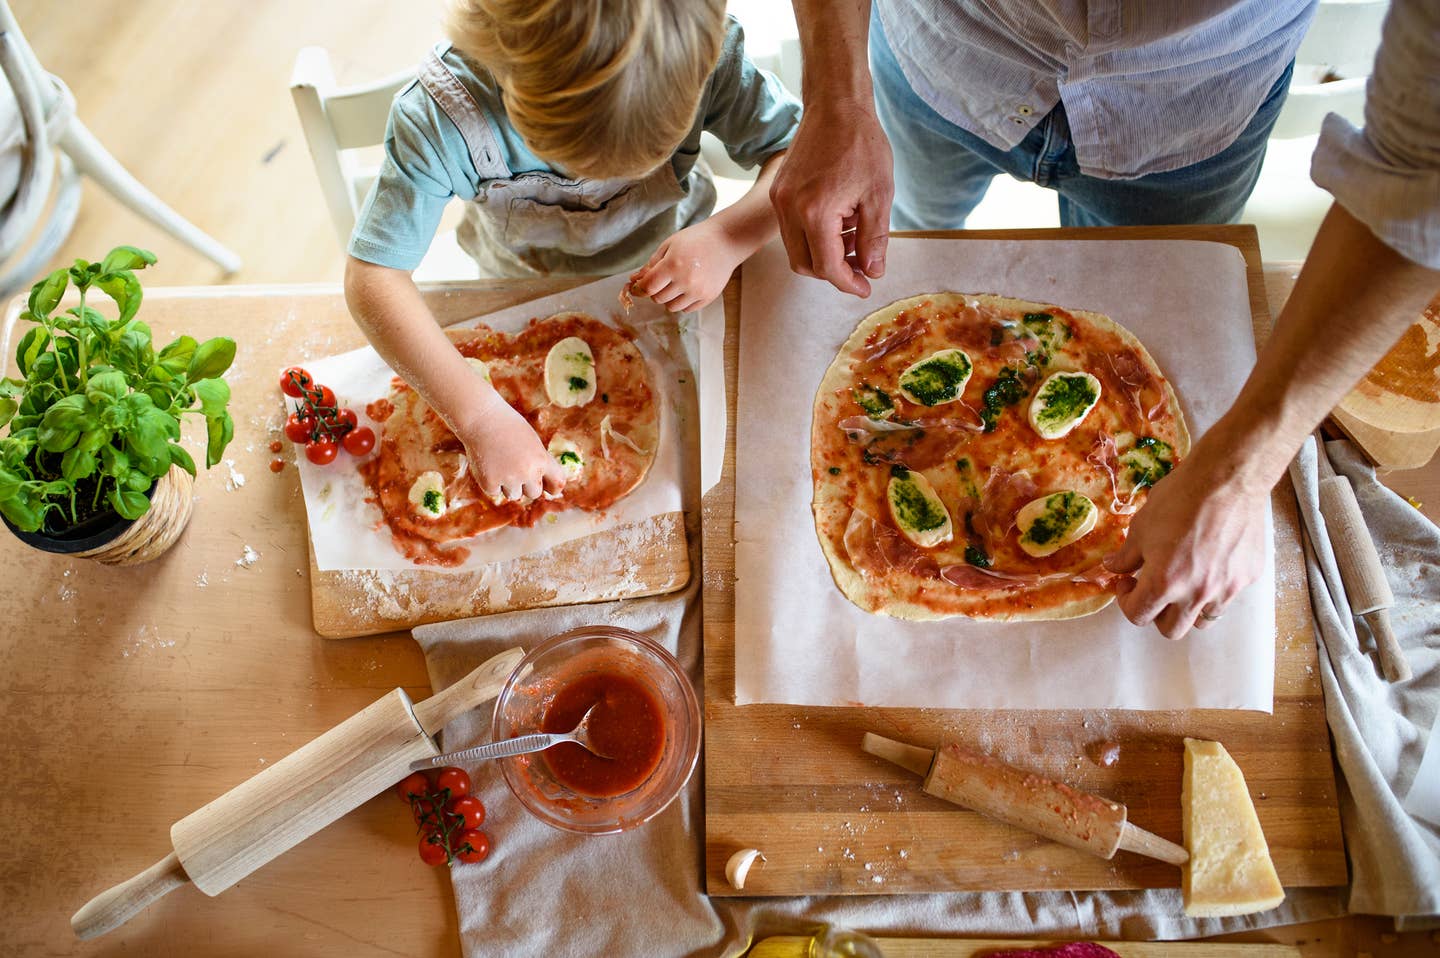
(800, 641)
(346, 532)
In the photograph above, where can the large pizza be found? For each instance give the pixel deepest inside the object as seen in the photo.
(582, 384)
(980, 456)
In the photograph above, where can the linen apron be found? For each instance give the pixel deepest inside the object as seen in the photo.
(541, 223)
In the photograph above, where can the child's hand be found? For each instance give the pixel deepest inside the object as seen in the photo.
(690, 268)
(506, 457)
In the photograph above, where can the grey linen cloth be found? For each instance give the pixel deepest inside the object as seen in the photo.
(1380, 730)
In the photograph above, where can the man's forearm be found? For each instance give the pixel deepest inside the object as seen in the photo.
(1353, 299)
(834, 37)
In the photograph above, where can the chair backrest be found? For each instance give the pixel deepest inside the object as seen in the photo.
(337, 120)
(1332, 65)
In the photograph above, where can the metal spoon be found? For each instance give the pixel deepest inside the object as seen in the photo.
(520, 745)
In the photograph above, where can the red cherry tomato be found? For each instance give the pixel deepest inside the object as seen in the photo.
(432, 849)
(472, 846)
(412, 784)
(454, 779)
(358, 442)
(298, 428)
(469, 808)
(293, 380)
(421, 809)
(327, 396)
(344, 419)
(321, 450)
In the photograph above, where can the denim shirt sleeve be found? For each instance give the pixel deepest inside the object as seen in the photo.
(403, 209)
(1387, 175)
(749, 110)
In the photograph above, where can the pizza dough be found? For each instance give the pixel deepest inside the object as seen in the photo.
(604, 433)
(986, 456)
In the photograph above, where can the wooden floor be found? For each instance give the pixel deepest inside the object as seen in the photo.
(194, 99)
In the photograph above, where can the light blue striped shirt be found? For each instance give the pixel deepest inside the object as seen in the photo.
(1147, 87)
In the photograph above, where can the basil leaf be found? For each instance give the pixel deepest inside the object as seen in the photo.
(126, 257)
(25, 513)
(124, 288)
(139, 480)
(180, 456)
(219, 431)
(46, 294)
(10, 484)
(212, 358)
(77, 464)
(60, 426)
(213, 395)
(107, 387)
(7, 410)
(128, 503)
(31, 347)
(114, 461)
(176, 357)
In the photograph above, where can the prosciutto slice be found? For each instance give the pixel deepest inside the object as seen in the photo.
(1128, 368)
(875, 549)
(903, 333)
(1000, 499)
(974, 577)
(1106, 456)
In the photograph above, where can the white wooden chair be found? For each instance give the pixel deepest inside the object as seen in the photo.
(1331, 69)
(56, 148)
(341, 124)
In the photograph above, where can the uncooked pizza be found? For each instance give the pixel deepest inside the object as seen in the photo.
(976, 455)
(581, 383)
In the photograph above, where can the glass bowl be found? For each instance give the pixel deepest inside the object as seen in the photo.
(559, 662)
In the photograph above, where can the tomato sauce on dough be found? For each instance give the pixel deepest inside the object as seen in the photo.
(627, 727)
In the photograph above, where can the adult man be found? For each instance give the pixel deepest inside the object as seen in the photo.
(1143, 101)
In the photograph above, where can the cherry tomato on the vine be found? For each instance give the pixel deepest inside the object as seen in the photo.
(454, 779)
(469, 808)
(432, 849)
(421, 809)
(327, 396)
(413, 784)
(298, 428)
(322, 450)
(472, 846)
(360, 441)
(293, 381)
(344, 419)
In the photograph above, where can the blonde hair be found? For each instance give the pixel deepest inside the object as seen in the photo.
(600, 88)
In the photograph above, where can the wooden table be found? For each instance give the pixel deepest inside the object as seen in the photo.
(133, 696)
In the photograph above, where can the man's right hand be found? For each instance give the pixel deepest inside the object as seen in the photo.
(833, 194)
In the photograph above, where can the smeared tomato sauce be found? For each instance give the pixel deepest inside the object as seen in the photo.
(627, 727)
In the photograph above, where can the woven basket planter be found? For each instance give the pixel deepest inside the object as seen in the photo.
(132, 542)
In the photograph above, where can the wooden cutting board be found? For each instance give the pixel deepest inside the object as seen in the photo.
(792, 781)
(789, 946)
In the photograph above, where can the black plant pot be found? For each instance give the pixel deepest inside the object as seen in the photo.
(90, 534)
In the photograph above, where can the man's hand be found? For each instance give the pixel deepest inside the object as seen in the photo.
(690, 268)
(506, 456)
(1198, 540)
(833, 194)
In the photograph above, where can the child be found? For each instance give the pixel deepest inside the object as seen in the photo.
(573, 126)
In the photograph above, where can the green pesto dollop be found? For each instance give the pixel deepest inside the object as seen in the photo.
(1051, 334)
(976, 556)
(1007, 391)
(1064, 398)
(834, 470)
(569, 458)
(1147, 462)
(875, 403)
(431, 500)
(578, 383)
(1063, 511)
(938, 379)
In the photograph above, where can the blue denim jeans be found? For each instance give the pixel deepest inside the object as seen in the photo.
(943, 171)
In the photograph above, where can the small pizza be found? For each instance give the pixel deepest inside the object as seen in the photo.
(980, 456)
(581, 383)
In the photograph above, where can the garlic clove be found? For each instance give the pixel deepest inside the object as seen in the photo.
(739, 866)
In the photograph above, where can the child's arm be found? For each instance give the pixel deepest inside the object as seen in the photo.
(505, 455)
(692, 267)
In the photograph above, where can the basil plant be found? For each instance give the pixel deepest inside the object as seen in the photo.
(94, 419)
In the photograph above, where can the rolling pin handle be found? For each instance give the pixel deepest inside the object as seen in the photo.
(1393, 663)
(112, 908)
(1141, 842)
(474, 690)
(913, 757)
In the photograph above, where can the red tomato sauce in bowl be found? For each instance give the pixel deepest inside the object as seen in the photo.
(626, 728)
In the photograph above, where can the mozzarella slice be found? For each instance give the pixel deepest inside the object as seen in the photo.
(568, 455)
(1144, 463)
(875, 403)
(1062, 402)
(479, 366)
(937, 379)
(1049, 524)
(570, 373)
(427, 495)
(918, 512)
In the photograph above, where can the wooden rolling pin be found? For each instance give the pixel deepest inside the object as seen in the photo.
(1047, 808)
(221, 843)
(1365, 584)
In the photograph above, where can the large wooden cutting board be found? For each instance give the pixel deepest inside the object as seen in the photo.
(793, 782)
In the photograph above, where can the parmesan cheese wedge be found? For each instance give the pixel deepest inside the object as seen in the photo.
(427, 495)
(917, 510)
(1062, 402)
(1229, 871)
(938, 378)
(568, 455)
(1051, 523)
(570, 373)
(480, 367)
